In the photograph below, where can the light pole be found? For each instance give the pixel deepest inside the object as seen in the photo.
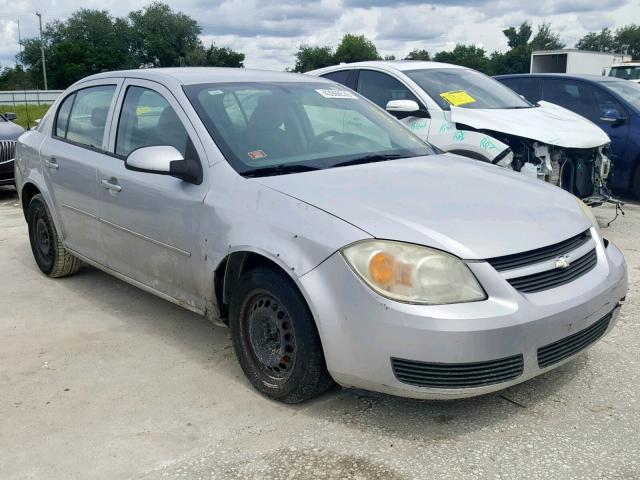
(44, 68)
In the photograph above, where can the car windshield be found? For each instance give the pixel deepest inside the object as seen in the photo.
(465, 88)
(626, 72)
(630, 91)
(278, 128)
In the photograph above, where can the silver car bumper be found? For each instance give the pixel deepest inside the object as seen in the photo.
(494, 342)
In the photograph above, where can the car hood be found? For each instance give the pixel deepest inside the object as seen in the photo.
(469, 208)
(10, 131)
(547, 123)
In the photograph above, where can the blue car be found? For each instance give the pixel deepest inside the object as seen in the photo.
(611, 103)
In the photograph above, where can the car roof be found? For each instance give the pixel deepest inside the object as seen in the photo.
(588, 78)
(399, 65)
(196, 75)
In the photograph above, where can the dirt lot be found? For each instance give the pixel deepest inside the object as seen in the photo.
(101, 380)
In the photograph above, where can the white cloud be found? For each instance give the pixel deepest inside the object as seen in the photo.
(270, 31)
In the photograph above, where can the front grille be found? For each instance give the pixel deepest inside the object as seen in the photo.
(556, 277)
(7, 150)
(457, 375)
(568, 346)
(539, 254)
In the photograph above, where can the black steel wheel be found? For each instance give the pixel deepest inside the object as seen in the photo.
(275, 337)
(49, 253)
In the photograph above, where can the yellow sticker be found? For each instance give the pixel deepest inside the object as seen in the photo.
(142, 110)
(457, 97)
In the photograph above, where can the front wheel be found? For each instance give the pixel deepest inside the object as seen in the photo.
(275, 338)
(49, 253)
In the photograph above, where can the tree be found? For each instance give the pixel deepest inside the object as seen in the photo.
(546, 39)
(224, 57)
(418, 55)
(627, 40)
(466, 56)
(519, 37)
(309, 58)
(162, 37)
(518, 58)
(16, 78)
(355, 48)
(598, 42)
(90, 41)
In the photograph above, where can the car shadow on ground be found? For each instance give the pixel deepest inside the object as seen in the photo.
(8, 193)
(199, 340)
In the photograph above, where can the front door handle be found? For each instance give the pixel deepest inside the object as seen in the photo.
(52, 164)
(110, 186)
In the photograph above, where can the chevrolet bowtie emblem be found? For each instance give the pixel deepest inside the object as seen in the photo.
(562, 262)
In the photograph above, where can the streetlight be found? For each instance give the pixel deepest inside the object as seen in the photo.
(44, 68)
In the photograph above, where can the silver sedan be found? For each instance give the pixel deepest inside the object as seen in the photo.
(335, 244)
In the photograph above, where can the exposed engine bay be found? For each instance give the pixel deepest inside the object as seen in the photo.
(581, 171)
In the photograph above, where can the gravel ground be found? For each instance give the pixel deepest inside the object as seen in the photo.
(101, 380)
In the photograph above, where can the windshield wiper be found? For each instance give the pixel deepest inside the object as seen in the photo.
(278, 170)
(370, 159)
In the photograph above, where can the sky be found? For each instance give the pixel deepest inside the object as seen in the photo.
(270, 31)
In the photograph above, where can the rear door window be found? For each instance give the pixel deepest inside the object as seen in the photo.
(381, 88)
(62, 118)
(88, 116)
(528, 87)
(341, 76)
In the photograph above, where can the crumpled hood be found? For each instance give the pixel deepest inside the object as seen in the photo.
(472, 209)
(10, 131)
(548, 123)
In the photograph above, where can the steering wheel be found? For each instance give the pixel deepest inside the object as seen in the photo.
(323, 136)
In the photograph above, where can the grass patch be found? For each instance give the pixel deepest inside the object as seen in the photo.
(26, 114)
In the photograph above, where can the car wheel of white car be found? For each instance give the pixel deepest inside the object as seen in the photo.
(49, 253)
(275, 338)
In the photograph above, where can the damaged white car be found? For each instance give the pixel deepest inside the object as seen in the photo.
(463, 111)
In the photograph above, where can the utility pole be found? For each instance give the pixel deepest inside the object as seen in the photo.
(20, 42)
(44, 68)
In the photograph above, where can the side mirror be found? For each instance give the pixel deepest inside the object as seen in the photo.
(10, 116)
(406, 108)
(164, 160)
(612, 116)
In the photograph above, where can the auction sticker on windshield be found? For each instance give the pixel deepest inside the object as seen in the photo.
(457, 97)
(335, 93)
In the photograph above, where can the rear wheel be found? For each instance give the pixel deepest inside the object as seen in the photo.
(49, 253)
(275, 338)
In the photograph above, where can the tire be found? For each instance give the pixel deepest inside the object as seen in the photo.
(275, 337)
(636, 182)
(46, 245)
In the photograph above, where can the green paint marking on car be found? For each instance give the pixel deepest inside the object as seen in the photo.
(418, 124)
(445, 127)
(458, 136)
(487, 144)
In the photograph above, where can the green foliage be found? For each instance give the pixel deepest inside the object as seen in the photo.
(603, 41)
(467, 56)
(309, 58)
(624, 40)
(546, 39)
(628, 40)
(418, 55)
(161, 37)
(518, 37)
(355, 48)
(16, 78)
(26, 114)
(92, 41)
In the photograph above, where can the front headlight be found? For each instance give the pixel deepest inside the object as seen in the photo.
(589, 214)
(412, 273)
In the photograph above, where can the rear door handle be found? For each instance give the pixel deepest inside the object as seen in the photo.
(52, 164)
(110, 186)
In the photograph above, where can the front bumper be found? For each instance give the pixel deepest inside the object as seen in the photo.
(7, 176)
(362, 332)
